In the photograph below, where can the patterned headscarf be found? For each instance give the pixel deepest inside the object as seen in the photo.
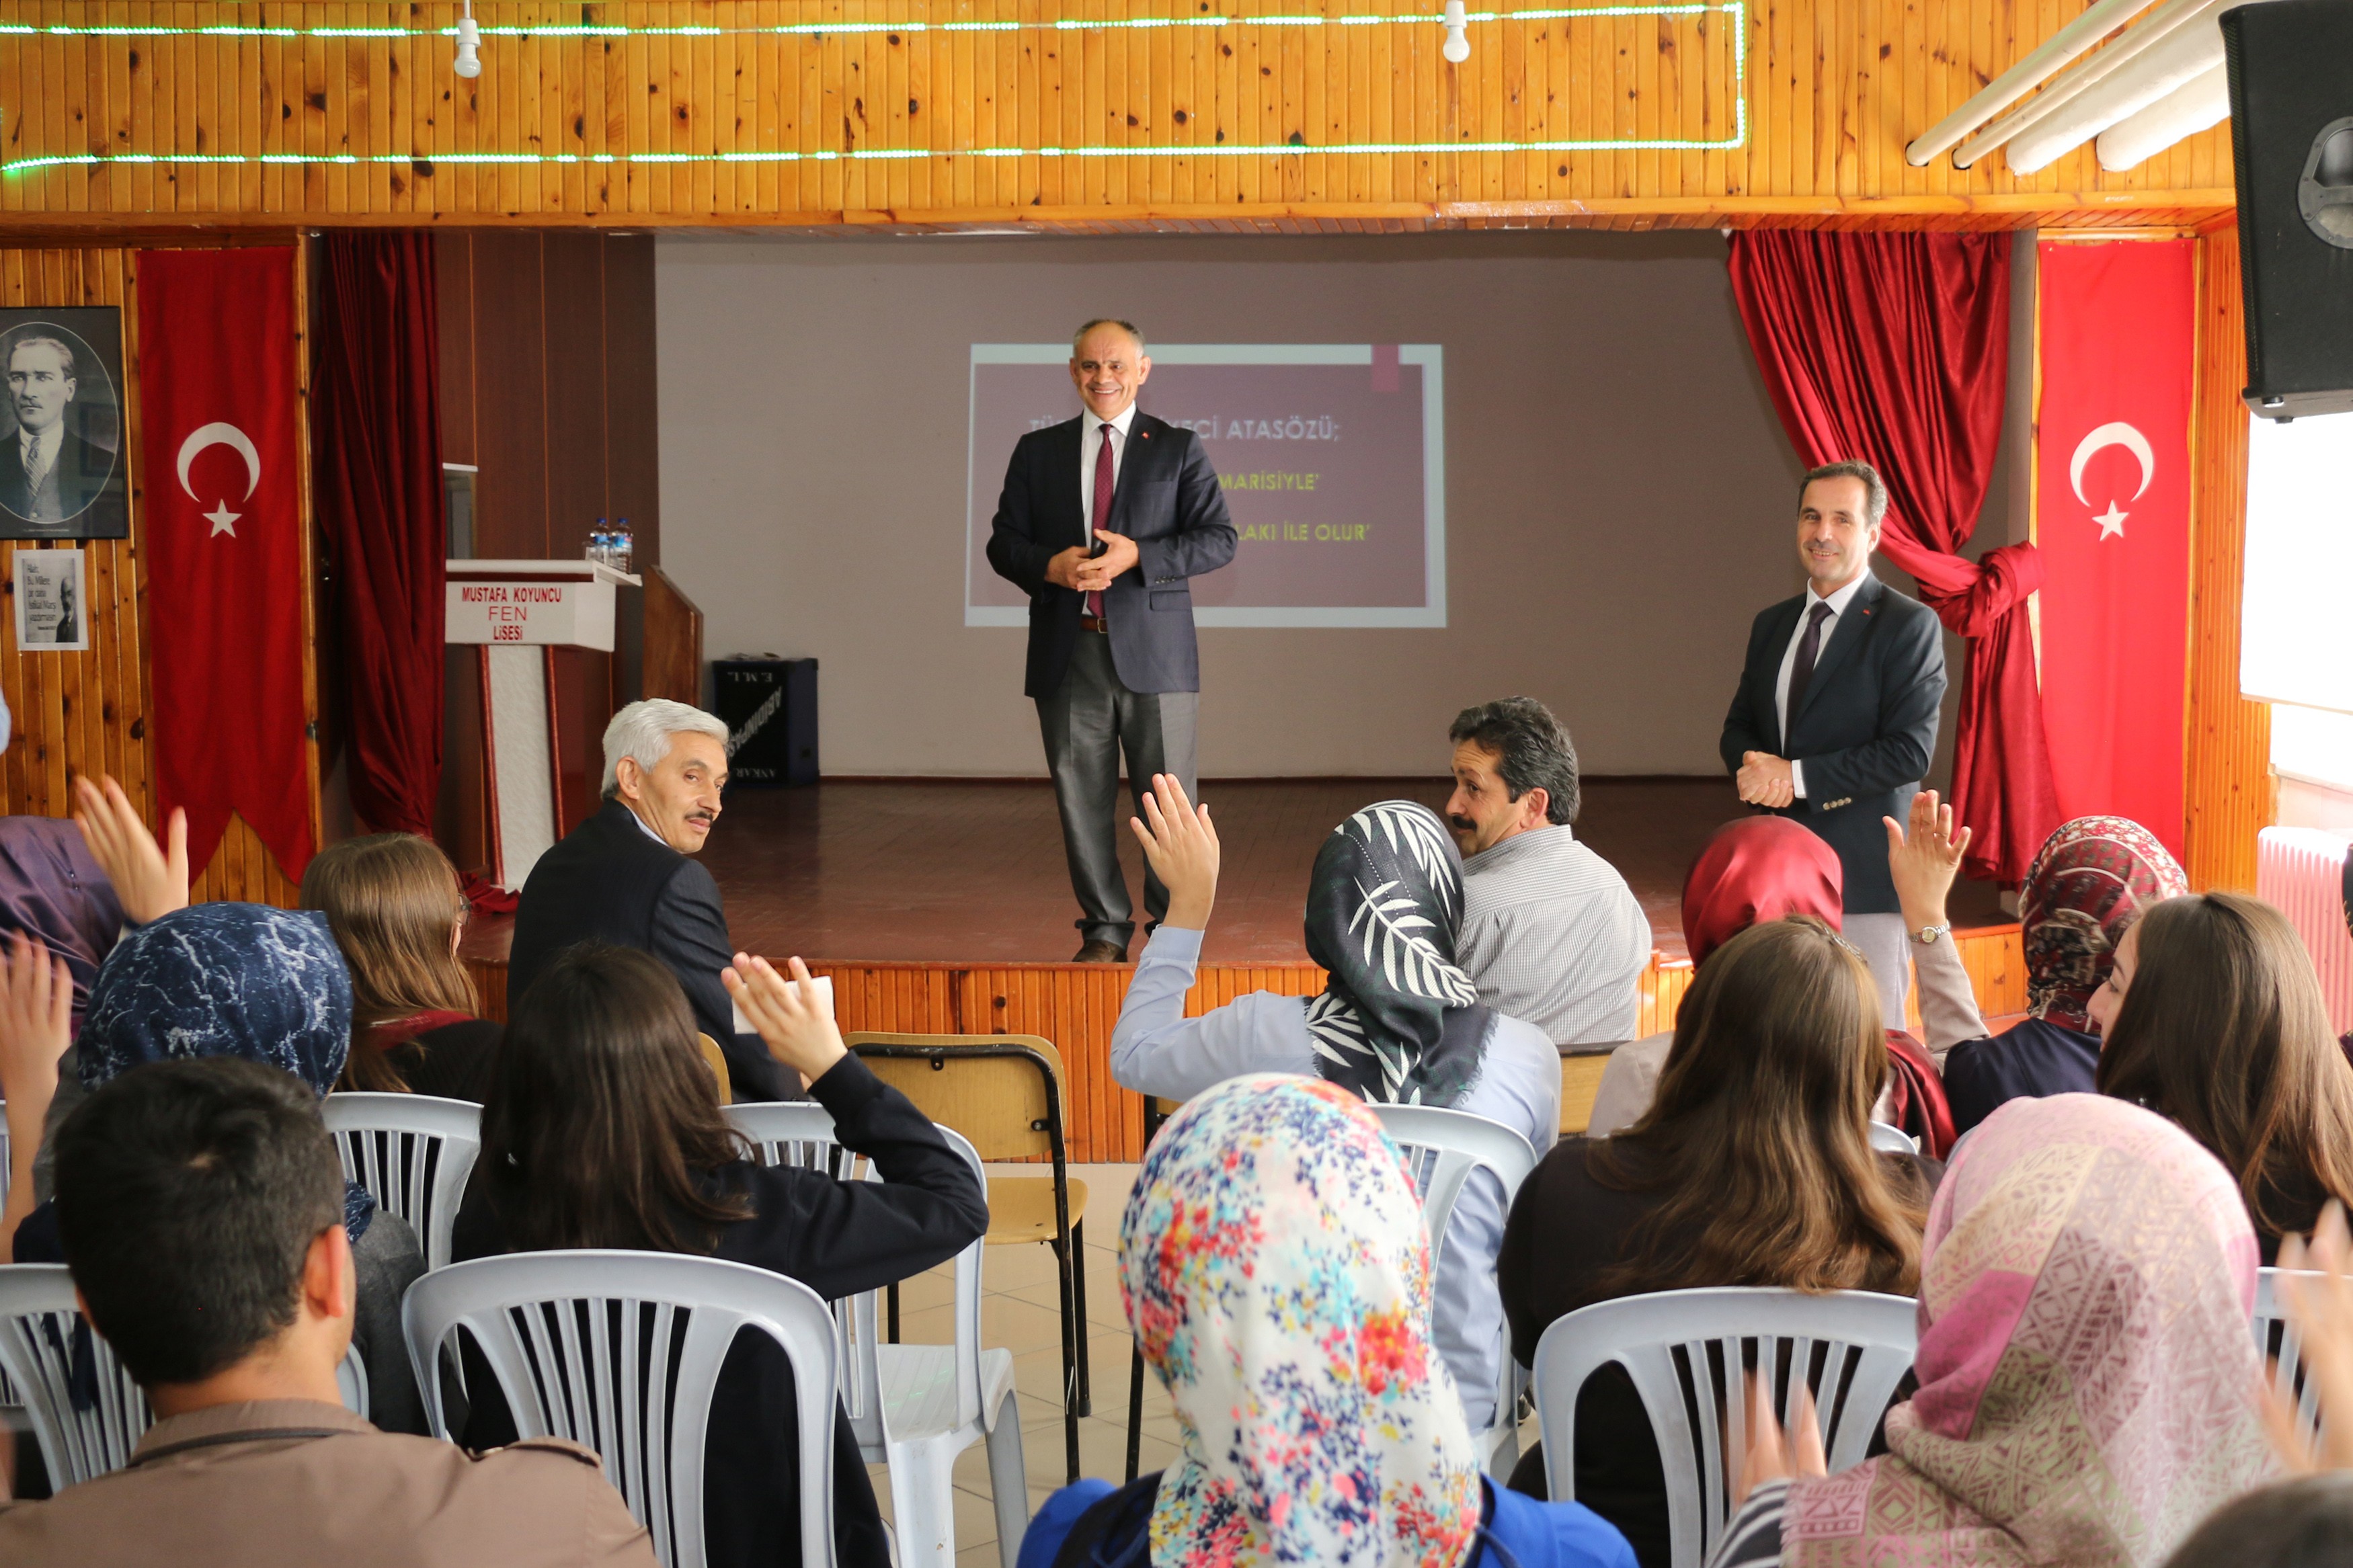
(2086, 1372)
(1273, 1263)
(1398, 1020)
(2090, 880)
(226, 979)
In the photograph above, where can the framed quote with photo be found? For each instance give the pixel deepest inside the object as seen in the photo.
(63, 466)
(52, 603)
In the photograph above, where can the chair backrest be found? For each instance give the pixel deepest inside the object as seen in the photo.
(1685, 1351)
(716, 1060)
(1582, 1067)
(2279, 1339)
(413, 1152)
(786, 1133)
(1893, 1139)
(1443, 1147)
(41, 1335)
(621, 1351)
(1005, 1093)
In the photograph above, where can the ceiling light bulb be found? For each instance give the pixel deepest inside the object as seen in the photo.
(1458, 33)
(470, 45)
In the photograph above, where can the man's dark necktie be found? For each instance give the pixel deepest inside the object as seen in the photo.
(1103, 501)
(1801, 673)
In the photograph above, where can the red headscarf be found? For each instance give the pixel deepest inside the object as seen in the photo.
(1763, 867)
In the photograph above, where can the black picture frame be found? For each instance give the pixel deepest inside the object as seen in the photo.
(83, 488)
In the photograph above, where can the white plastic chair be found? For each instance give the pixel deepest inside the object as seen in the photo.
(1851, 1346)
(1890, 1140)
(2280, 1340)
(915, 1407)
(1442, 1148)
(413, 1152)
(39, 1322)
(621, 1351)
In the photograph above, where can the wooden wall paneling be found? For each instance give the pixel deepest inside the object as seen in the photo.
(453, 272)
(510, 519)
(673, 640)
(2228, 787)
(632, 465)
(572, 269)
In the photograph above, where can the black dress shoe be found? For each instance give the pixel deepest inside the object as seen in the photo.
(1098, 952)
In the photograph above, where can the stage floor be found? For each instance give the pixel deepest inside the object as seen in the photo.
(972, 871)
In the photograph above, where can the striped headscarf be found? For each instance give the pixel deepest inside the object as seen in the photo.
(1273, 1263)
(2091, 880)
(2086, 1372)
(1399, 1022)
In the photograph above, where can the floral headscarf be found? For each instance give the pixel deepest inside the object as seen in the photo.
(2090, 880)
(226, 979)
(1273, 1263)
(1399, 1021)
(2086, 1374)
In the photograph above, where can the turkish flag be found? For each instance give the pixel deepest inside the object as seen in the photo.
(224, 508)
(2112, 519)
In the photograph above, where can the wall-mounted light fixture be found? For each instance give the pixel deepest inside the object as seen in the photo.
(1458, 33)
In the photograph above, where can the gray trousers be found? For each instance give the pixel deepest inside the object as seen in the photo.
(1087, 723)
(1887, 948)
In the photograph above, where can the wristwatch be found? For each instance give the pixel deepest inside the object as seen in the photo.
(1927, 935)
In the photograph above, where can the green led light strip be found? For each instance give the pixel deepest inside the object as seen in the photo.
(811, 30)
(1735, 9)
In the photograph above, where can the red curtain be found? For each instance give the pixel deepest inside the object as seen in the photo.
(1895, 349)
(377, 422)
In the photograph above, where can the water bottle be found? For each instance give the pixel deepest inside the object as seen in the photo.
(623, 548)
(600, 544)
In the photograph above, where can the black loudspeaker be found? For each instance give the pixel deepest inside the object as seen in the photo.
(2291, 70)
(770, 709)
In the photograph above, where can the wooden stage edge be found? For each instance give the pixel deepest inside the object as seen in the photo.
(1075, 1005)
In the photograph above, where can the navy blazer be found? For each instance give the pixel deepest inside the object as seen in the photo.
(1169, 500)
(1866, 728)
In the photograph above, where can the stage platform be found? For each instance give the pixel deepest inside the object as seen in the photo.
(944, 907)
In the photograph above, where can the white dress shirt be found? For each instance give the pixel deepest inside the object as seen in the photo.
(1155, 1049)
(1091, 442)
(1838, 602)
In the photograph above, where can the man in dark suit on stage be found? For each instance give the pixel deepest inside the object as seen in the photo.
(48, 473)
(1835, 718)
(628, 876)
(1104, 521)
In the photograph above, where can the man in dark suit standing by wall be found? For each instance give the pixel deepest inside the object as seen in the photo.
(1835, 718)
(1103, 522)
(49, 474)
(628, 876)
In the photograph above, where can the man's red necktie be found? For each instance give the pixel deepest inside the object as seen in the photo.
(1103, 501)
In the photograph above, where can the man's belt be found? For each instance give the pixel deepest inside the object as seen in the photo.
(1091, 623)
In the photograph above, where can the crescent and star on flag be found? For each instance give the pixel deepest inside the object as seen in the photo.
(2116, 432)
(222, 434)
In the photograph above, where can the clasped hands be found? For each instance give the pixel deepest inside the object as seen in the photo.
(1766, 780)
(1083, 573)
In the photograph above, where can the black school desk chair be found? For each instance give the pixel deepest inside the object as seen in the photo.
(1157, 1111)
(1005, 1093)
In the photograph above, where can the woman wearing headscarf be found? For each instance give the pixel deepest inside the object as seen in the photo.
(222, 980)
(1399, 1022)
(2086, 1380)
(2091, 880)
(1751, 870)
(1273, 1264)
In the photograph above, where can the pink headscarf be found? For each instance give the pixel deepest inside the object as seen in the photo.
(2086, 1367)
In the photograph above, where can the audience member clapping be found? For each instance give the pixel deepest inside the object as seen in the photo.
(1273, 1263)
(603, 1128)
(1752, 1167)
(202, 1212)
(1760, 868)
(216, 980)
(397, 910)
(2212, 1016)
(2086, 1376)
(2091, 880)
(1399, 1022)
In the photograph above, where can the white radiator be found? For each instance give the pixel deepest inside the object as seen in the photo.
(2302, 871)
